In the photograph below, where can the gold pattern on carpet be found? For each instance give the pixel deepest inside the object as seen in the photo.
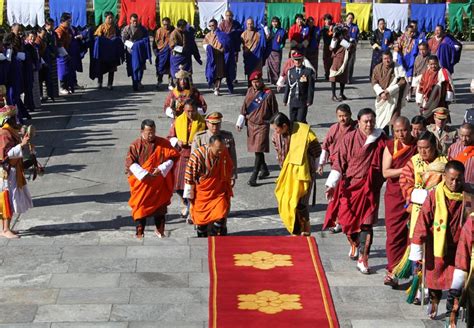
(269, 302)
(263, 260)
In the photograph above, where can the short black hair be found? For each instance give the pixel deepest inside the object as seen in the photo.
(191, 102)
(441, 27)
(276, 19)
(430, 137)
(387, 52)
(350, 13)
(380, 20)
(455, 165)
(213, 21)
(423, 43)
(345, 108)
(467, 126)
(327, 16)
(214, 138)
(134, 16)
(279, 119)
(49, 21)
(166, 19)
(299, 16)
(65, 17)
(433, 57)
(149, 123)
(108, 13)
(419, 119)
(181, 23)
(365, 111)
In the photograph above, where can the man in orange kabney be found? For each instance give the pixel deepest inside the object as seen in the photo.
(208, 186)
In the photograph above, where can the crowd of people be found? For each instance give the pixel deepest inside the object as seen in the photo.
(427, 164)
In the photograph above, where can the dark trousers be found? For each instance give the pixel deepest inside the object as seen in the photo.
(298, 114)
(110, 78)
(350, 66)
(217, 228)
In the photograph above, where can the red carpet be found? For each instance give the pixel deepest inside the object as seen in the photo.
(268, 282)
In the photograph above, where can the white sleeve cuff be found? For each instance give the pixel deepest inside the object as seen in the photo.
(418, 196)
(449, 96)
(21, 56)
(2, 57)
(333, 179)
(128, 44)
(169, 112)
(457, 47)
(280, 81)
(459, 277)
(240, 121)
(173, 141)
(166, 167)
(378, 89)
(419, 97)
(62, 52)
(188, 191)
(138, 171)
(416, 252)
(324, 157)
(201, 111)
(392, 89)
(205, 46)
(15, 152)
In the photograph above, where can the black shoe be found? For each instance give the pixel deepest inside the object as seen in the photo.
(252, 183)
(342, 97)
(263, 174)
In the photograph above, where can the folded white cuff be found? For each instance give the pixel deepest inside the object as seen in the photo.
(15, 152)
(393, 89)
(138, 171)
(2, 57)
(173, 141)
(21, 56)
(333, 179)
(324, 157)
(205, 46)
(416, 252)
(188, 191)
(169, 112)
(459, 277)
(449, 96)
(280, 81)
(128, 44)
(378, 89)
(201, 111)
(166, 167)
(419, 97)
(240, 121)
(418, 196)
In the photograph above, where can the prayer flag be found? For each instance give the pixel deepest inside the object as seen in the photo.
(77, 9)
(178, 10)
(361, 13)
(455, 14)
(145, 9)
(25, 12)
(318, 10)
(395, 15)
(210, 10)
(102, 6)
(244, 10)
(285, 11)
(429, 15)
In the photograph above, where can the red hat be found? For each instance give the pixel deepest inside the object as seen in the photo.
(297, 55)
(256, 75)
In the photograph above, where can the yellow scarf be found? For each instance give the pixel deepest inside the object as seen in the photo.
(299, 136)
(181, 127)
(441, 217)
(420, 167)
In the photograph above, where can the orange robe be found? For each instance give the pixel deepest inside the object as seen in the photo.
(149, 194)
(213, 190)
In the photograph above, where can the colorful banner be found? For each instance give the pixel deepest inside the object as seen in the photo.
(361, 13)
(102, 6)
(428, 15)
(285, 11)
(210, 10)
(318, 10)
(395, 15)
(77, 9)
(25, 12)
(178, 10)
(244, 10)
(145, 9)
(455, 14)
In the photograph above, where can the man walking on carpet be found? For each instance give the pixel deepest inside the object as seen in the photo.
(208, 187)
(359, 165)
(298, 151)
(149, 167)
(162, 50)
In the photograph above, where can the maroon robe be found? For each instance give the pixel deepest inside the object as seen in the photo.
(396, 215)
(438, 271)
(464, 250)
(360, 167)
(335, 134)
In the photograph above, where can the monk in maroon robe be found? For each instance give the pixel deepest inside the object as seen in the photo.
(439, 228)
(359, 166)
(396, 154)
(330, 147)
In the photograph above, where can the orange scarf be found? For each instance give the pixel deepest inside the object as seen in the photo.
(467, 153)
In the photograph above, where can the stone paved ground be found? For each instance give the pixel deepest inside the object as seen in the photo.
(77, 264)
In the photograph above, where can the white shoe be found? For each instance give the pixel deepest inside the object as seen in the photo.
(354, 252)
(184, 211)
(363, 266)
(63, 92)
(216, 93)
(170, 87)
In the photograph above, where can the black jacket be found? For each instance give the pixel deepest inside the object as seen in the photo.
(299, 87)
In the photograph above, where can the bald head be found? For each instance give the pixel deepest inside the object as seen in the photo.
(466, 134)
(402, 129)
